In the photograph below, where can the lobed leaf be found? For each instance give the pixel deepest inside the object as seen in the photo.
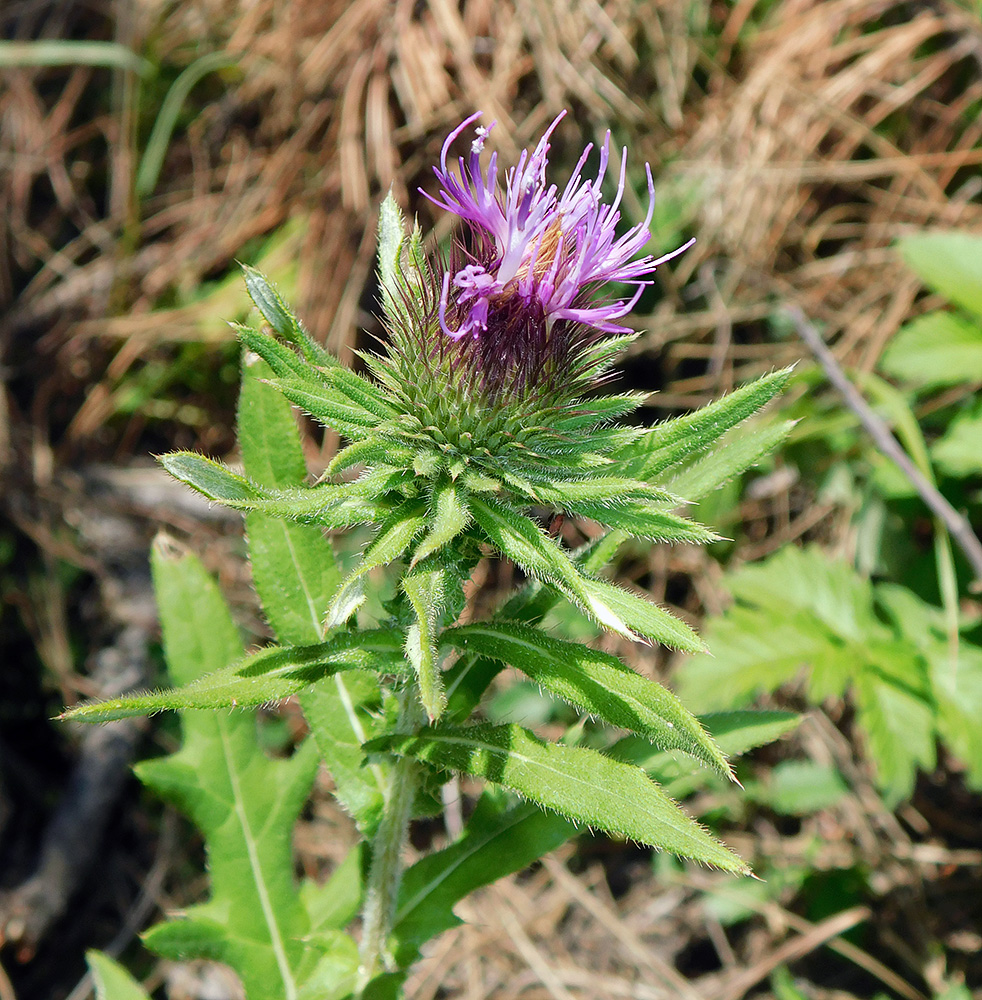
(578, 783)
(244, 803)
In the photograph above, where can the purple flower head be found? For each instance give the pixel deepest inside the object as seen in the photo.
(537, 255)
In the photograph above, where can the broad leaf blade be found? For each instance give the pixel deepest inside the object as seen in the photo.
(578, 783)
(497, 841)
(595, 682)
(296, 575)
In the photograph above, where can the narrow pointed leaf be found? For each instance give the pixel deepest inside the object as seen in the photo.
(282, 319)
(424, 586)
(450, 517)
(522, 541)
(677, 440)
(642, 616)
(282, 360)
(742, 448)
(581, 784)
(644, 521)
(210, 478)
(262, 678)
(595, 682)
(360, 391)
(391, 542)
(329, 406)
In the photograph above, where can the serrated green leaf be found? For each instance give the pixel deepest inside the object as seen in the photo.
(644, 521)
(244, 803)
(449, 518)
(578, 783)
(424, 586)
(957, 691)
(594, 682)
(329, 406)
(740, 449)
(683, 438)
(112, 981)
(950, 262)
(899, 728)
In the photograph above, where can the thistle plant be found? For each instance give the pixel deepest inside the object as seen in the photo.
(480, 418)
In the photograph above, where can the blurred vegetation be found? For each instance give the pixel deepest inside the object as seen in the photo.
(826, 157)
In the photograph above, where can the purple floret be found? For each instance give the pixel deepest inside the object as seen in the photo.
(547, 249)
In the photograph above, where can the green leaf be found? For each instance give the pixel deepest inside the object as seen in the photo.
(391, 542)
(522, 541)
(957, 689)
(112, 981)
(801, 787)
(450, 517)
(424, 586)
(683, 438)
(343, 713)
(640, 615)
(644, 521)
(281, 319)
(497, 841)
(738, 451)
(293, 565)
(950, 263)
(578, 783)
(738, 732)
(296, 574)
(284, 362)
(957, 452)
(939, 348)
(329, 406)
(244, 803)
(594, 682)
(210, 478)
(899, 727)
(262, 678)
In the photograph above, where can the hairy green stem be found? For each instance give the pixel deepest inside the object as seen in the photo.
(385, 873)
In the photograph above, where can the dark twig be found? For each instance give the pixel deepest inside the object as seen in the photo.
(957, 526)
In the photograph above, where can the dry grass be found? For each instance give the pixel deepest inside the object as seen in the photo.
(816, 133)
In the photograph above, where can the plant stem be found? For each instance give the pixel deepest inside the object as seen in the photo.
(385, 874)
